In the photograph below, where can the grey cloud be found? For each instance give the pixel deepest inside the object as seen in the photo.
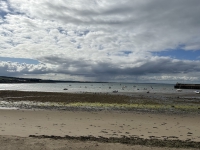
(104, 71)
(113, 69)
(161, 66)
(133, 12)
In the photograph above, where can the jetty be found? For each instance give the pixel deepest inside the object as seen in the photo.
(186, 86)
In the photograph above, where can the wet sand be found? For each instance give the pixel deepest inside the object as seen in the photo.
(36, 128)
(21, 143)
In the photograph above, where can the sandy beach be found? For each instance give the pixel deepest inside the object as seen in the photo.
(98, 129)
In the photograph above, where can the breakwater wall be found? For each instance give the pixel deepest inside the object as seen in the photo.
(186, 86)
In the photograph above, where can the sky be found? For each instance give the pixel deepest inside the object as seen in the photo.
(143, 41)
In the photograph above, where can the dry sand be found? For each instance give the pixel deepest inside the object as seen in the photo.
(107, 124)
(23, 123)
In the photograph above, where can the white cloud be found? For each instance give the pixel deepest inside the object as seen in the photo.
(3, 6)
(100, 36)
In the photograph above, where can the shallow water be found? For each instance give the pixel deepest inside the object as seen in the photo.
(93, 87)
(8, 108)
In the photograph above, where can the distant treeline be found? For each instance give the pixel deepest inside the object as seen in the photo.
(5, 79)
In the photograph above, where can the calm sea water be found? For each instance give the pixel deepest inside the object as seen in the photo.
(92, 87)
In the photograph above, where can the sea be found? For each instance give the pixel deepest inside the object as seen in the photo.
(92, 87)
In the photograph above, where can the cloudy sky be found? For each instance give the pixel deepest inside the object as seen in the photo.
(101, 40)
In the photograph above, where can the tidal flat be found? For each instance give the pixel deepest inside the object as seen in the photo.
(175, 102)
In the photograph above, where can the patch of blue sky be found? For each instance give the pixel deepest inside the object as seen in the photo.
(124, 53)
(81, 33)
(127, 52)
(120, 53)
(100, 47)
(3, 14)
(73, 40)
(20, 60)
(10, 10)
(79, 47)
(62, 30)
(180, 54)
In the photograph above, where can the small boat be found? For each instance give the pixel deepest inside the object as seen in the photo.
(115, 91)
(178, 90)
(197, 92)
(65, 89)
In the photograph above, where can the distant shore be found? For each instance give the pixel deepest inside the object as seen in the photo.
(6, 79)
